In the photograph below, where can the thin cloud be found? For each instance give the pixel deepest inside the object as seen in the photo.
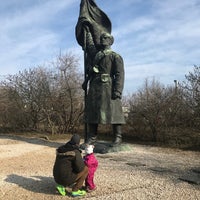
(162, 43)
(139, 24)
(26, 38)
(34, 14)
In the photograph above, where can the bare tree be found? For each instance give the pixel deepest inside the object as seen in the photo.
(50, 98)
(12, 115)
(156, 108)
(164, 111)
(147, 106)
(32, 88)
(191, 88)
(70, 95)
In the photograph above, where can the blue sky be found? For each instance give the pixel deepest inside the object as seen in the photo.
(157, 38)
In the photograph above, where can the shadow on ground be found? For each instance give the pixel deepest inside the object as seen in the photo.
(37, 141)
(36, 184)
(173, 172)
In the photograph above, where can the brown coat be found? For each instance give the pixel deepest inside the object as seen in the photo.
(67, 165)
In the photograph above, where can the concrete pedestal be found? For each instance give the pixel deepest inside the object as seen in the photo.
(106, 147)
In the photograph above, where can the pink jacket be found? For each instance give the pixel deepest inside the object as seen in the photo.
(91, 162)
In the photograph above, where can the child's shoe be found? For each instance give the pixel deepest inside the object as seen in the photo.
(61, 190)
(90, 190)
(78, 193)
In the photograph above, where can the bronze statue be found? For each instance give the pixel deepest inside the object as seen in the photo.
(104, 71)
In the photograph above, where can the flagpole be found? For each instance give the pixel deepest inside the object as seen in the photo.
(85, 89)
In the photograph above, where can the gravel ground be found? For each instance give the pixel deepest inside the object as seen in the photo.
(142, 173)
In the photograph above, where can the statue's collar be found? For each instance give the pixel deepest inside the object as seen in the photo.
(107, 51)
(101, 54)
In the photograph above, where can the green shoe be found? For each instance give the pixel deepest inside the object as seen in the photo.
(61, 190)
(78, 193)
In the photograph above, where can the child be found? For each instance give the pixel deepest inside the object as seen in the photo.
(92, 164)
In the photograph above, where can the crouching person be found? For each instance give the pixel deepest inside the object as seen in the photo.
(69, 168)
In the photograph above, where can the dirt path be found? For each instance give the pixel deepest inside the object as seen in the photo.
(142, 173)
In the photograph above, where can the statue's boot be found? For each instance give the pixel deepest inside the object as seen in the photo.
(92, 135)
(117, 132)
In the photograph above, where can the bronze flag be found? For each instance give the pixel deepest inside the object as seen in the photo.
(97, 21)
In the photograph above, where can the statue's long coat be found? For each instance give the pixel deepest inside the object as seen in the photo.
(100, 107)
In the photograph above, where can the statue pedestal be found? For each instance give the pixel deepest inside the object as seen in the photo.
(106, 147)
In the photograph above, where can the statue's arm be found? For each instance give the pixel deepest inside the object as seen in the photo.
(118, 77)
(90, 45)
(90, 55)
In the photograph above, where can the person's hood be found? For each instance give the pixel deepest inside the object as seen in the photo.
(67, 147)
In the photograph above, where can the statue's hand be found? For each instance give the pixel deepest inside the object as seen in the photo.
(84, 85)
(116, 95)
(86, 28)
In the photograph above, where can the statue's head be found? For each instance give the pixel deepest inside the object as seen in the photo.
(106, 39)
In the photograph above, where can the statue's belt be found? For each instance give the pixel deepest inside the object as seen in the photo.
(103, 77)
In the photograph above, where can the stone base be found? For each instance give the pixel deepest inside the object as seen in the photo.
(106, 147)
